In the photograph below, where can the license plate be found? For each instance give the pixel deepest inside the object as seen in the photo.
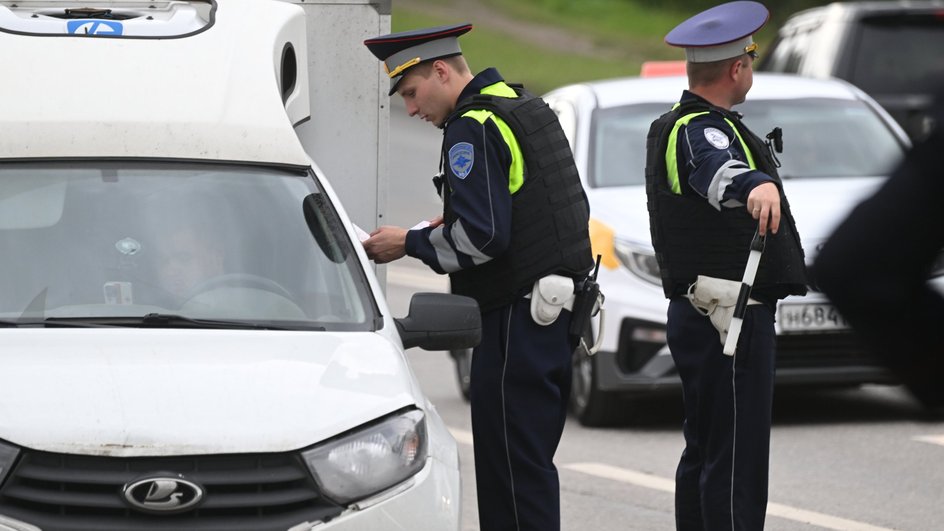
(812, 317)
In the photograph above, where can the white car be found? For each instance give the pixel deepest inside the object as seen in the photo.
(192, 336)
(838, 145)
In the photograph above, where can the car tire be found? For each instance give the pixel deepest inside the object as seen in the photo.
(591, 405)
(463, 359)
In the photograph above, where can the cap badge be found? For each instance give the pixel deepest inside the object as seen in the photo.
(398, 70)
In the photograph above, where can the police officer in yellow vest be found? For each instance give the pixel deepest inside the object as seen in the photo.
(712, 184)
(514, 236)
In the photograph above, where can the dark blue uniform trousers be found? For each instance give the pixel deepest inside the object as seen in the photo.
(520, 384)
(721, 481)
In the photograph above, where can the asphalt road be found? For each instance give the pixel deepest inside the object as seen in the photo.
(855, 459)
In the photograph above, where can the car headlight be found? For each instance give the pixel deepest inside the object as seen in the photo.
(640, 260)
(7, 458)
(371, 459)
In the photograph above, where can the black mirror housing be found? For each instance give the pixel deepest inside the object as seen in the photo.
(441, 321)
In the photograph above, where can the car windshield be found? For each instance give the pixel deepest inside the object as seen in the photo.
(911, 65)
(821, 138)
(83, 242)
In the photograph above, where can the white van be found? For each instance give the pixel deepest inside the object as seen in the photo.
(190, 334)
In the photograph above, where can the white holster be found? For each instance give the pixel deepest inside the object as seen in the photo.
(551, 295)
(716, 298)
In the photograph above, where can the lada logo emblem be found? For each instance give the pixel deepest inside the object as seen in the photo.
(94, 27)
(163, 494)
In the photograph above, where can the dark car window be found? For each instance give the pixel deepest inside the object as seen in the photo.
(822, 138)
(900, 54)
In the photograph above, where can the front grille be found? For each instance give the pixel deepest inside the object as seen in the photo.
(827, 349)
(632, 352)
(255, 492)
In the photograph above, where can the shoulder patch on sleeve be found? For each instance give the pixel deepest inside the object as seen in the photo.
(716, 138)
(461, 159)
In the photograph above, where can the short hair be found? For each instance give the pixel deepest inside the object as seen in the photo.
(700, 74)
(457, 62)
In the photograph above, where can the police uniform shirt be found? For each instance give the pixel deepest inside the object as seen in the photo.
(476, 163)
(712, 160)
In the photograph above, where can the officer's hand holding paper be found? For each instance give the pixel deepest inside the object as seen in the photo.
(388, 243)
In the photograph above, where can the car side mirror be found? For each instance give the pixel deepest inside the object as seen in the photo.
(441, 321)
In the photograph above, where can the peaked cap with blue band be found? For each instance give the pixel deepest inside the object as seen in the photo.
(402, 51)
(719, 33)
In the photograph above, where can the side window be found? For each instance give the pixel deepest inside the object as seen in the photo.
(799, 48)
(774, 60)
(567, 116)
(788, 51)
(909, 66)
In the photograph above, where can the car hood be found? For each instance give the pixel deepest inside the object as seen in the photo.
(623, 209)
(175, 392)
(818, 206)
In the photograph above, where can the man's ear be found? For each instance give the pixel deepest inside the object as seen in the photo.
(736, 69)
(441, 70)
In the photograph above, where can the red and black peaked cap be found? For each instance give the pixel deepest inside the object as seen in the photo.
(402, 51)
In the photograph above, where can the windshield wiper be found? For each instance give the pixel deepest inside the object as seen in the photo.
(151, 320)
(170, 320)
(54, 322)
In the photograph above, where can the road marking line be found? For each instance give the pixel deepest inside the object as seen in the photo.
(650, 481)
(624, 475)
(819, 519)
(933, 439)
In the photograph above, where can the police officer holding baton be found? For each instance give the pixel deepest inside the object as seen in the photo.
(514, 236)
(712, 185)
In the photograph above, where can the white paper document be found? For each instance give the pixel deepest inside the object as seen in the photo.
(361, 234)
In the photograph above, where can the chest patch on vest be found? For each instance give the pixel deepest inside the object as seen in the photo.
(461, 158)
(716, 138)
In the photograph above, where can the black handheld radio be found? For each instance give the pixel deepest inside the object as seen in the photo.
(586, 297)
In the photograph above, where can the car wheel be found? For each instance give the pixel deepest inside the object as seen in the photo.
(463, 359)
(591, 406)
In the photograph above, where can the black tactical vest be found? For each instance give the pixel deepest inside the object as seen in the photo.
(692, 238)
(549, 217)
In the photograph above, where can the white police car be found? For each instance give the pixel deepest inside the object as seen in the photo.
(192, 336)
(838, 146)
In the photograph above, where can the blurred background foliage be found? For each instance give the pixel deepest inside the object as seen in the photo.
(548, 43)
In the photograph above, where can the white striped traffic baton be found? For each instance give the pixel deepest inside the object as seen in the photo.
(753, 262)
